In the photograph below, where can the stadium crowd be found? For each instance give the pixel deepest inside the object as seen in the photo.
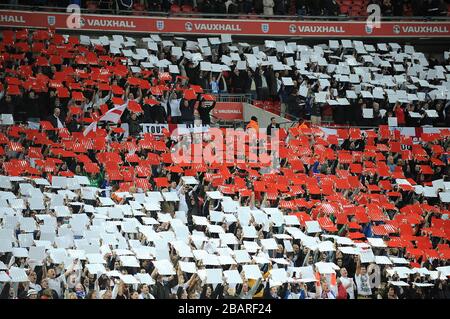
(340, 214)
(355, 83)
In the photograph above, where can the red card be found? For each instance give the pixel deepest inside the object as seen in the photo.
(190, 94)
(134, 107)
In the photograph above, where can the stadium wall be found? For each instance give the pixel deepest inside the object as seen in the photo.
(196, 26)
(262, 115)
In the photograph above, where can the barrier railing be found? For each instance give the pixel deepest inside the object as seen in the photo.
(230, 97)
(114, 11)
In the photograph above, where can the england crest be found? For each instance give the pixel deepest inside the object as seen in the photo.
(292, 28)
(51, 20)
(160, 25)
(188, 26)
(396, 29)
(265, 27)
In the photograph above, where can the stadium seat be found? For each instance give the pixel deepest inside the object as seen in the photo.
(91, 6)
(186, 8)
(175, 8)
(345, 9)
(138, 9)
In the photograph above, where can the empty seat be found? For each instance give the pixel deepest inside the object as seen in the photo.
(186, 8)
(344, 9)
(175, 8)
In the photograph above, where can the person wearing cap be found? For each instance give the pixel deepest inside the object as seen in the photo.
(271, 291)
(32, 294)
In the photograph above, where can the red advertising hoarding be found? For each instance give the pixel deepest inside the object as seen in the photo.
(348, 29)
(228, 111)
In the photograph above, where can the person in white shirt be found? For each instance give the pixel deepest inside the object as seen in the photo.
(54, 282)
(174, 104)
(362, 281)
(348, 283)
(182, 190)
(183, 206)
(97, 101)
(33, 284)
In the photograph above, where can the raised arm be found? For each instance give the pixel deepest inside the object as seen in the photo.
(255, 287)
(358, 266)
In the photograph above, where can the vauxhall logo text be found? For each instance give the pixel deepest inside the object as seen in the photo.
(424, 29)
(12, 19)
(217, 27)
(319, 29)
(109, 23)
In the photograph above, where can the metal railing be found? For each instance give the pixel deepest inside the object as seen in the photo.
(115, 11)
(231, 97)
(291, 120)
